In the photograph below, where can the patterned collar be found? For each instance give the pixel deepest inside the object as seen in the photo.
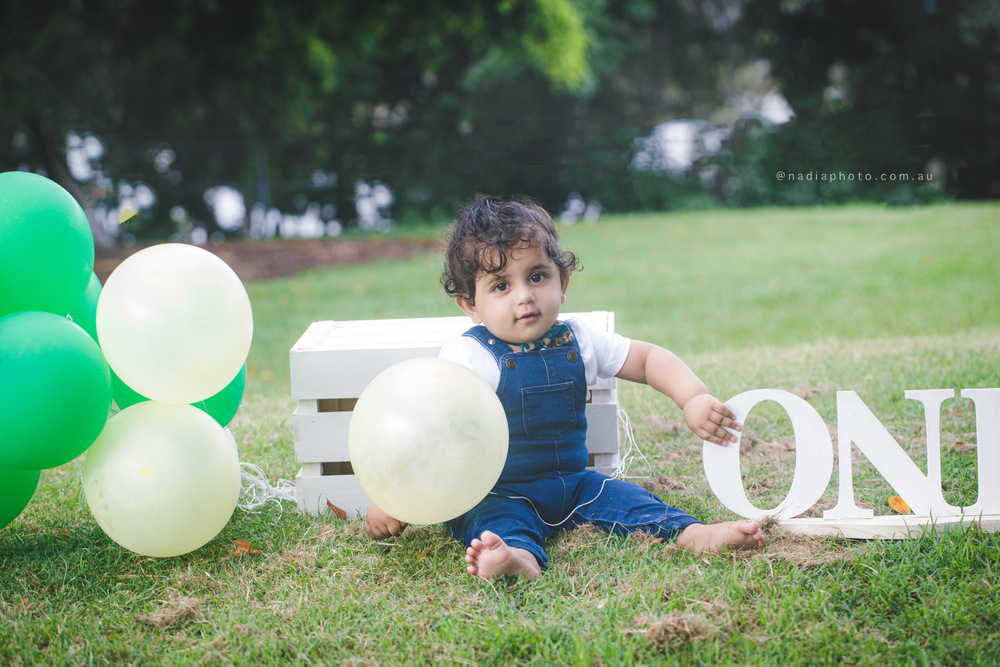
(560, 334)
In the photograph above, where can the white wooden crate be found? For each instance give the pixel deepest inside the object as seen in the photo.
(334, 361)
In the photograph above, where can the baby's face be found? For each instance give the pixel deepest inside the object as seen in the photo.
(520, 302)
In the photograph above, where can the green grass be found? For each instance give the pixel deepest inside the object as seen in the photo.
(811, 301)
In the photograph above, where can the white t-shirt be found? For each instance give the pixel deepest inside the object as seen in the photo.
(603, 353)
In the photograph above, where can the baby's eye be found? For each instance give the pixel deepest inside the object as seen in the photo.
(501, 287)
(537, 277)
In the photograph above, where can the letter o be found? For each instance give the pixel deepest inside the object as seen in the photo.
(813, 458)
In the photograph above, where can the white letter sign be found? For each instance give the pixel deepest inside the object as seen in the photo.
(813, 457)
(988, 448)
(857, 426)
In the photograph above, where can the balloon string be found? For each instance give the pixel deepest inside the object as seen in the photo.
(82, 497)
(568, 515)
(621, 471)
(632, 453)
(256, 491)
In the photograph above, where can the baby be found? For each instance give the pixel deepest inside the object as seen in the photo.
(506, 271)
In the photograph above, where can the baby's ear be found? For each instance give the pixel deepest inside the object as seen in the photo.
(468, 307)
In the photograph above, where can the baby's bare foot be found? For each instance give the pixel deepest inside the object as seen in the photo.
(721, 536)
(490, 557)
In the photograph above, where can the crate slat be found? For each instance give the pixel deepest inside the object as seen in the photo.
(321, 437)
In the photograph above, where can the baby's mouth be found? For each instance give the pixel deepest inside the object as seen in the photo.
(528, 317)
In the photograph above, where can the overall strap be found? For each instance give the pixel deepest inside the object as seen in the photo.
(494, 345)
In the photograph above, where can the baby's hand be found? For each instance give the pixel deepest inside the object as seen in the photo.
(380, 525)
(709, 418)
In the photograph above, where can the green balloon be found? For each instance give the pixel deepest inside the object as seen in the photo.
(222, 407)
(55, 390)
(46, 246)
(84, 311)
(18, 487)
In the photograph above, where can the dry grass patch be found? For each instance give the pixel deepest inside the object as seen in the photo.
(699, 620)
(680, 628)
(176, 609)
(662, 485)
(801, 550)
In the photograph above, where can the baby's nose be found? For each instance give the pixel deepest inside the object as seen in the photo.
(525, 294)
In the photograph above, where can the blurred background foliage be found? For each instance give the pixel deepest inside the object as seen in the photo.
(344, 113)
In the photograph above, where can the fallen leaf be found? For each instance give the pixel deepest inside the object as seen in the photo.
(341, 514)
(244, 547)
(899, 505)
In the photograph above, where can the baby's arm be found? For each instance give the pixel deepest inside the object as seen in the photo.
(380, 525)
(664, 371)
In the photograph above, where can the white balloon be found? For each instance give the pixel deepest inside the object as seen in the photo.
(174, 323)
(232, 439)
(428, 440)
(162, 480)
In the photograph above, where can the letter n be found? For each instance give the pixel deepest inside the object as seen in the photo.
(856, 424)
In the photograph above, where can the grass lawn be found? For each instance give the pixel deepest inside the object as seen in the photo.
(811, 301)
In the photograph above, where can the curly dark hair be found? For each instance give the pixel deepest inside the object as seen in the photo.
(486, 230)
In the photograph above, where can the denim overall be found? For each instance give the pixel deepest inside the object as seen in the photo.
(545, 486)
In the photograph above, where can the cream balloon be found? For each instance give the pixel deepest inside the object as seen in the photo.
(174, 323)
(427, 440)
(162, 480)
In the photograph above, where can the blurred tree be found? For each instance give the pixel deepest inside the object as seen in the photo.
(185, 95)
(891, 86)
(655, 61)
(293, 103)
(491, 120)
(177, 92)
